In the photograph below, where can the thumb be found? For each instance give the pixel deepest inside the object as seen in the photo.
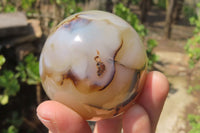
(58, 118)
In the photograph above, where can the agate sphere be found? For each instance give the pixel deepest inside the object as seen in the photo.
(95, 63)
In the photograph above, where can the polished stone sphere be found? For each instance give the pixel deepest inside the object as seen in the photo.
(95, 63)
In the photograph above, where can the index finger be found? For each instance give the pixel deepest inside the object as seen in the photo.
(153, 96)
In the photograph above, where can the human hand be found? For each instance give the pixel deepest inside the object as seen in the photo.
(142, 117)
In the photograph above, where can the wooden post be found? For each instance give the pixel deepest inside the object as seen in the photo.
(168, 19)
(145, 6)
(177, 10)
(109, 5)
(129, 3)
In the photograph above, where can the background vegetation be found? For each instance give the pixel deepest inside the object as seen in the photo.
(20, 88)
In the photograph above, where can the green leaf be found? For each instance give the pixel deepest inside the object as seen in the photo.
(9, 8)
(125, 13)
(194, 121)
(27, 4)
(9, 83)
(4, 99)
(192, 46)
(12, 129)
(21, 72)
(2, 60)
(28, 70)
(151, 44)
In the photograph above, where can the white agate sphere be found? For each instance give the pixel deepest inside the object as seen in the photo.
(93, 62)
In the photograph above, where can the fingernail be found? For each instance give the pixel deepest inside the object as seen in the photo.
(48, 123)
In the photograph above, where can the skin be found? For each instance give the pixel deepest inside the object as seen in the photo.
(142, 117)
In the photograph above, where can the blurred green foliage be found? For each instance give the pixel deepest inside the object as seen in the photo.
(125, 13)
(151, 44)
(14, 121)
(194, 121)
(9, 84)
(194, 20)
(7, 7)
(135, 2)
(27, 4)
(192, 46)
(193, 88)
(193, 50)
(31, 6)
(69, 6)
(162, 4)
(188, 11)
(28, 70)
(11, 129)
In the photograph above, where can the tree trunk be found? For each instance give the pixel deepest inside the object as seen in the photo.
(177, 10)
(169, 19)
(129, 3)
(145, 6)
(109, 5)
